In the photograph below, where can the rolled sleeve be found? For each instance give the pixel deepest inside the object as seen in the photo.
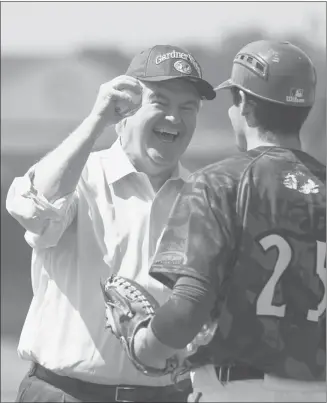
(44, 222)
(199, 234)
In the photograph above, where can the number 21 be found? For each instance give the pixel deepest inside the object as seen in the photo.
(264, 303)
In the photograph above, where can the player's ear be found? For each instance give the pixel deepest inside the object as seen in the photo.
(247, 109)
(243, 103)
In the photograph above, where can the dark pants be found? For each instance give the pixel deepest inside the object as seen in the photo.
(42, 385)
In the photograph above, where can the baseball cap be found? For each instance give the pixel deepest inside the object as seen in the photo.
(275, 71)
(167, 62)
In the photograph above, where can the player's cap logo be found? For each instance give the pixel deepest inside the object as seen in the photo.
(296, 92)
(274, 55)
(183, 67)
(296, 95)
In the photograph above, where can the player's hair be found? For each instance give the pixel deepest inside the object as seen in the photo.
(273, 117)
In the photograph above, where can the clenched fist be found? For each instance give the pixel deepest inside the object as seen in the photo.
(117, 99)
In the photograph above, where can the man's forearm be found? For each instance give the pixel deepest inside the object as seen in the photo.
(57, 174)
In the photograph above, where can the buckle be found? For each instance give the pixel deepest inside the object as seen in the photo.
(224, 374)
(117, 393)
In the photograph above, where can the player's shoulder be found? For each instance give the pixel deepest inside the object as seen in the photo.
(228, 170)
(278, 161)
(261, 159)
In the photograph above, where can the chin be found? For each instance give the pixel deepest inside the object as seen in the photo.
(155, 166)
(157, 159)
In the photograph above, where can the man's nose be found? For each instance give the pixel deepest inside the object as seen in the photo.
(173, 116)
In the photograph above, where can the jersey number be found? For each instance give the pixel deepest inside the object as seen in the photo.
(264, 302)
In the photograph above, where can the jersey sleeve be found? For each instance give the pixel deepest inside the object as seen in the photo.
(199, 235)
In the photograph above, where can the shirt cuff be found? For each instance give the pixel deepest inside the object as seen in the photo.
(44, 209)
(44, 222)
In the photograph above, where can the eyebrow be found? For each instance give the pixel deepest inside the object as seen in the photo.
(153, 96)
(191, 103)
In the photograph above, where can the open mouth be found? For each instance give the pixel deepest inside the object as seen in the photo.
(166, 136)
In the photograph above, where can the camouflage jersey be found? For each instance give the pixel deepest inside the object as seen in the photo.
(254, 225)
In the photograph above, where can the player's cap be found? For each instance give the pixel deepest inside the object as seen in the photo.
(274, 71)
(166, 62)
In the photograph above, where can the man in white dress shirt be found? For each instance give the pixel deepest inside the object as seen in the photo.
(89, 214)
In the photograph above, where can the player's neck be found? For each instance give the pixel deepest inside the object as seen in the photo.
(272, 139)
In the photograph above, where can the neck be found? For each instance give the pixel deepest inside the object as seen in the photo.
(157, 181)
(256, 139)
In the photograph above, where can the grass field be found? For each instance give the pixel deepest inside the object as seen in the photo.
(13, 369)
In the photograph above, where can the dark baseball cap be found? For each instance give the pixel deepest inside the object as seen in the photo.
(167, 62)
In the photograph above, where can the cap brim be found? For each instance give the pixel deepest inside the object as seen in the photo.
(226, 84)
(205, 89)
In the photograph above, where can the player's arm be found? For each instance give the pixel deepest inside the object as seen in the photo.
(191, 259)
(176, 323)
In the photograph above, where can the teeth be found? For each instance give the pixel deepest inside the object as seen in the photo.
(166, 136)
(162, 131)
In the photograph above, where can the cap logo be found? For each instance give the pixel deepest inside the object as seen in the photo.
(179, 55)
(296, 95)
(183, 67)
(274, 55)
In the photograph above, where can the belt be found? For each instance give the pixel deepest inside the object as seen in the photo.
(238, 373)
(92, 392)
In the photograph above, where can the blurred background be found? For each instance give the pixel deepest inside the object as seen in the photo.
(55, 55)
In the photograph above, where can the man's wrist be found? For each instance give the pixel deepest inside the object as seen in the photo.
(95, 124)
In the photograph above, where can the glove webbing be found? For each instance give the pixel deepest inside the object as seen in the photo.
(133, 293)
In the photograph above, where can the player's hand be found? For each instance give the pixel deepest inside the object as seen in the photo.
(203, 338)
(117, 99)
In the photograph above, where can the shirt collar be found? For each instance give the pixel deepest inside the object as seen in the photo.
(118, 165)
(180, 172)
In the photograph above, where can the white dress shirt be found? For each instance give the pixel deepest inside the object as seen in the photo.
(111, 224)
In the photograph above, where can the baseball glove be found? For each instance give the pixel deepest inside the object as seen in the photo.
(130, 307)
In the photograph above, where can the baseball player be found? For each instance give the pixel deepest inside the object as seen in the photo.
(245, 246)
